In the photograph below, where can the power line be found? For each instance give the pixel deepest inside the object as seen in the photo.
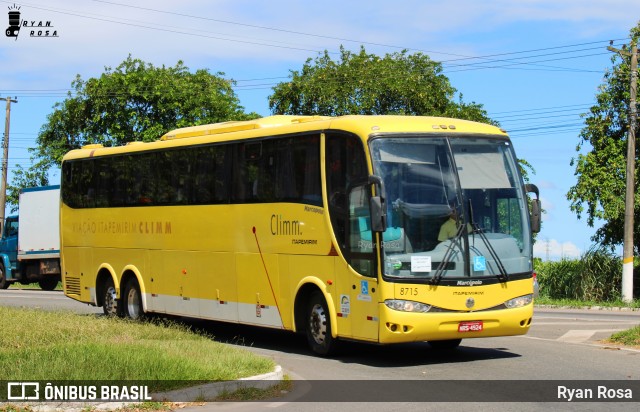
(544, 127)
(541, 110)
(459, 56)
(164, 28)
(527, 119)
(180, 30)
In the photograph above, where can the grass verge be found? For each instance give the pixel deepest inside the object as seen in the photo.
(629, 337)
(575, 303)
(256, 394)
(20, 286)
(38, 345)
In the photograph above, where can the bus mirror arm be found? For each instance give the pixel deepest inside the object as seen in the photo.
(536, 208)
(378, 205)
(531, 188)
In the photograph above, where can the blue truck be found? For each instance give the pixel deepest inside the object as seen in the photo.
(30, 243)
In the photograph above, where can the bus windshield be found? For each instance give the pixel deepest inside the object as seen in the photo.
(455, 208)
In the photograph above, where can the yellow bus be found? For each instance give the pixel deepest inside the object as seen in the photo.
(381, 229)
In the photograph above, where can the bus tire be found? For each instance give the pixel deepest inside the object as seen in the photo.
(110, 298)
(48, 283)
(318, 326)
(449, 344)
(132, 300)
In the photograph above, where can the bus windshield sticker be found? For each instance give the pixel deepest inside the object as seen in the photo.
(479, 264)
(421, 264)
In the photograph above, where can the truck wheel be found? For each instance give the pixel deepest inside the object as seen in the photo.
(3, 279)
(48, 283)
(319, 326)
(109, 298)
(132, 300)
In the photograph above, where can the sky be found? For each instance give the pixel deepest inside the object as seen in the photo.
(535, 65)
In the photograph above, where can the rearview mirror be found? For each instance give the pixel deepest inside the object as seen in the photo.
(536, 217)
(536, 207)
(378, 206)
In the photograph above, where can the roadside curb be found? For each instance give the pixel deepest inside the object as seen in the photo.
(210, 391)
(202, 393)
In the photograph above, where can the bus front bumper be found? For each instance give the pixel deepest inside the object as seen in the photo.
(398, 327)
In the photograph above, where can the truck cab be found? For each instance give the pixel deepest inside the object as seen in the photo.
(32, 253)
(8, 251)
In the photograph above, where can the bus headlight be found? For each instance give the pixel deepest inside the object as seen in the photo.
(407, 305)
(519, 301)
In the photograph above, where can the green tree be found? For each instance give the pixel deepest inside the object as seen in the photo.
(600, 166)
(22, 178)
(136, 101)
(362, 83)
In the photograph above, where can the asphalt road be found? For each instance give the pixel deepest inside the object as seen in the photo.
(563, 347)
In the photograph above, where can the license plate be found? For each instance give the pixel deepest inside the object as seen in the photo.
(474, 326)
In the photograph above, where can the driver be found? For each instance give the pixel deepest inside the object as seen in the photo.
(449, 229)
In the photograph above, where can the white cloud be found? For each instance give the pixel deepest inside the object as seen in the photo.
(555, 250)
(94, 34)
(546, 184)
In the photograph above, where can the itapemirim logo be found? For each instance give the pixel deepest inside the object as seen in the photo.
(40, 29)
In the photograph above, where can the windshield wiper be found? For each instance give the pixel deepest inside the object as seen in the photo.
(447, 256)
(503, 277)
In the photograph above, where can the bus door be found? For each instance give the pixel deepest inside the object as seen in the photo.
(357, 293)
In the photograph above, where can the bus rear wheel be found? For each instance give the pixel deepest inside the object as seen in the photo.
(132, 300)
(318, 326)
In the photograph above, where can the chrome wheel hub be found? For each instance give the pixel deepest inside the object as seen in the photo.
(133, 304)
(318, 324)
(110, 302)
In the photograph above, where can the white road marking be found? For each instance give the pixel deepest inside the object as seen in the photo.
(579, 336)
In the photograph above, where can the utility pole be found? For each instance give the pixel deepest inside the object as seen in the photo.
(5, 158)
(629, 205)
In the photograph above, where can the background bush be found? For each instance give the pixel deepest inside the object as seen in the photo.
(596, 276)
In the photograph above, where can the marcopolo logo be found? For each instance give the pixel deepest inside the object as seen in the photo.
(34, 28)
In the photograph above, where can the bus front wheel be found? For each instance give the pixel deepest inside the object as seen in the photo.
(133, 300)
(319, 326)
